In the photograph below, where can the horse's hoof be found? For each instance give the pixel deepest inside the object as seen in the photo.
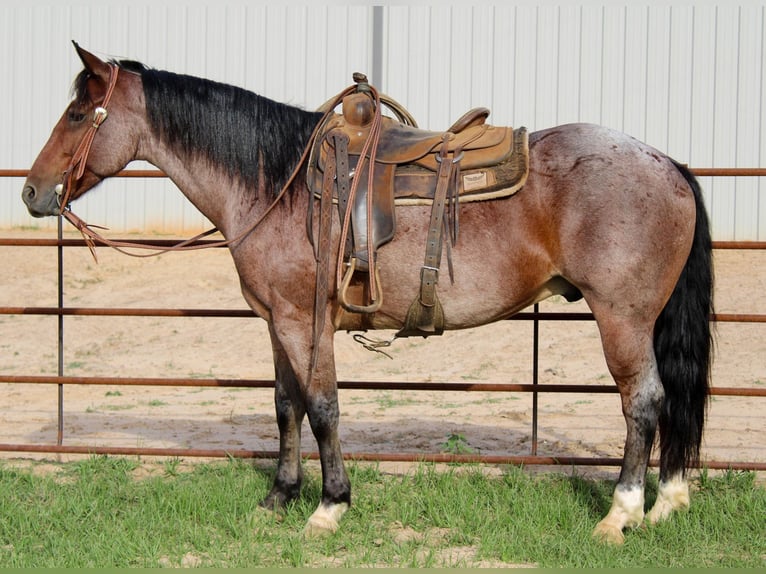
(608, 534)
(325, 520)
(317, 529)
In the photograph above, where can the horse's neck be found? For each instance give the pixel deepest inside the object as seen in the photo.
(217, 195)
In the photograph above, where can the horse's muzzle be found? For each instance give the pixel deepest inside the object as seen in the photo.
(40, 204)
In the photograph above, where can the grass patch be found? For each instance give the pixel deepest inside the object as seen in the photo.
(389, 401)
(116, 407)
(98, 513)
(456, 443)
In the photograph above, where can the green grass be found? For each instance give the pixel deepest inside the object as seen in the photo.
(100, 513)
(456, 443)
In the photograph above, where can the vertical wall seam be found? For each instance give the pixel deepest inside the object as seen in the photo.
(376, 47)
(736, 115)
(580, 69)
(760, 188)
(692, 80)
(713, 119)
(668, 97)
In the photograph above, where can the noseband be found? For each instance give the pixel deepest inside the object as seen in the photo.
(76, 167)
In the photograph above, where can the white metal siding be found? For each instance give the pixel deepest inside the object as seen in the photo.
(688, 79)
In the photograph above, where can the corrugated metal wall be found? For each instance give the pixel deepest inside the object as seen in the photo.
(688, 79)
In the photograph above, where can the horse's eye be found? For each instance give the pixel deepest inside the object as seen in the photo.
(75, 116)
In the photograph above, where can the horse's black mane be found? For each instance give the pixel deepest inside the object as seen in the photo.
(247, 134)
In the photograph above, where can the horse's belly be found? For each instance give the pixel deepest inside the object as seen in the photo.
(462, 310)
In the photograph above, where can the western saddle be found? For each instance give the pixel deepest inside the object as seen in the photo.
(367, 163)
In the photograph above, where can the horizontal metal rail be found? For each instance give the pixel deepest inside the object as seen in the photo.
(247, 313)
(349, 385)
(362, 456)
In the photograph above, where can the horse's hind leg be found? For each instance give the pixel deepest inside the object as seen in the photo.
(630, 357)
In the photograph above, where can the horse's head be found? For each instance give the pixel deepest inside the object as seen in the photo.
(95, 138)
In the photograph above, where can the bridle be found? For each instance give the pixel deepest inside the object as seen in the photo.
(76, 169)
(74, 173)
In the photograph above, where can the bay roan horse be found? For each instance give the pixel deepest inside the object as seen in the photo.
(601, 216)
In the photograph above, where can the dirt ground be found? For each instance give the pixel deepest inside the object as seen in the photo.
(372, 421)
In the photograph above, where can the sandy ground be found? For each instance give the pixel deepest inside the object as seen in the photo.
(372, 421)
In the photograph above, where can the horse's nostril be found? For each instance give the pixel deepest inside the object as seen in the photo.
(29, 194)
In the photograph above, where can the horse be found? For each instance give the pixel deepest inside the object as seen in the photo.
(601, 216)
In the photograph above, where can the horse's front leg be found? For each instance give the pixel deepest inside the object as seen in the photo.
(290, 408)
(313, 392)
(324, 417)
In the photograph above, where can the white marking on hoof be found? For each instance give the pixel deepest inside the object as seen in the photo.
(627, 511)
(325, 520)
(672, 495)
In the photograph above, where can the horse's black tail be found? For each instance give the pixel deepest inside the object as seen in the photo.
(683, 347)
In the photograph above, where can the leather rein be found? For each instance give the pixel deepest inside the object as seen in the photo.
(76, 169)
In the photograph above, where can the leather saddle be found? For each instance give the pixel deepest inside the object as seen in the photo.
(367, 163)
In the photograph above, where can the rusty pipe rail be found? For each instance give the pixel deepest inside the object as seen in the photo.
(349, 385)
(362, 456)
(240, 313)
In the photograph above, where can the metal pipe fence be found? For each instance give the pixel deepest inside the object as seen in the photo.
(61, 380)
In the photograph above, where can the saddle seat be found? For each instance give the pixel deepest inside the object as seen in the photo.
(482, 145)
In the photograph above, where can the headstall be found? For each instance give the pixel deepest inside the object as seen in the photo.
(76, 168)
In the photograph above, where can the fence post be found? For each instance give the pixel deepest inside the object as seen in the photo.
(535, 357)
(60, 286)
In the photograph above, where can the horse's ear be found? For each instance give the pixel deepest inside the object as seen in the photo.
(92, 63)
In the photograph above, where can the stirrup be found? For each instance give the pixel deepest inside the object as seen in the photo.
(372, 307)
